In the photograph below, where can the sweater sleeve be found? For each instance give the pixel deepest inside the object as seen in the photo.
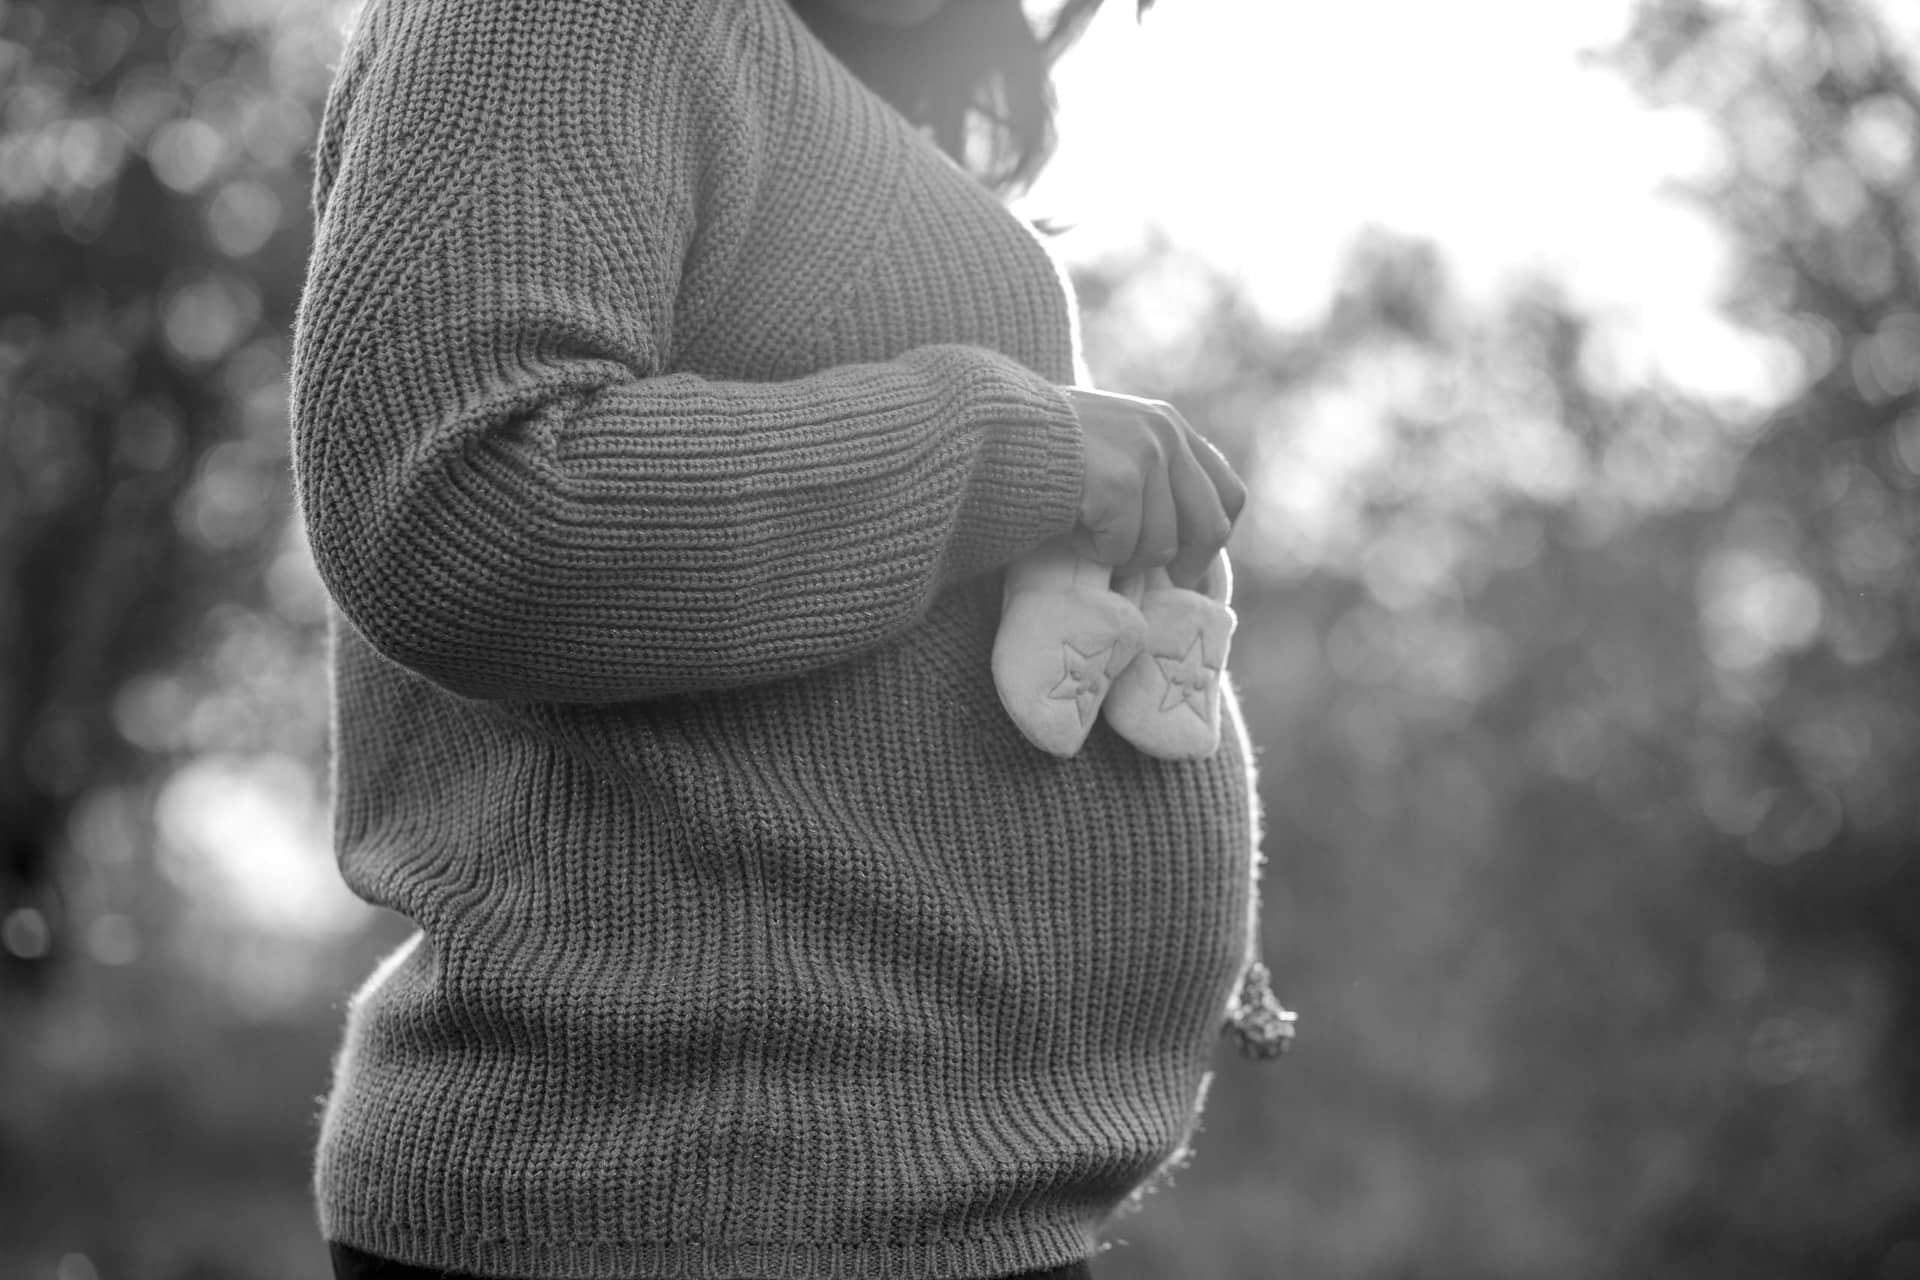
(507, 492)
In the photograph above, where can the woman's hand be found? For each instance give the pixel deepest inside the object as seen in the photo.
(1156, 493)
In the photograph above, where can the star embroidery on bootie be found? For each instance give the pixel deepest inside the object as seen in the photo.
(1189, 678)
(1083, 679)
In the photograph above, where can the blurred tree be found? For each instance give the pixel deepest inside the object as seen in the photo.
(1812, 596)
(1810, 599)
(152, 185)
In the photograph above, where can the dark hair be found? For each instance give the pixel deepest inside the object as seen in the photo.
(975, 72)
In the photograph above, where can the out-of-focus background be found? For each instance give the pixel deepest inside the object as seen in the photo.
(1572, 351)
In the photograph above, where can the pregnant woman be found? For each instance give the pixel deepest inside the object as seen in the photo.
(668, 409)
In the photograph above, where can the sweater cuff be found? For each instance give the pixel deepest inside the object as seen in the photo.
(1029, 476)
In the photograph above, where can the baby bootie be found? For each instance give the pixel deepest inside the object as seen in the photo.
(1064, 635)
(1167, 703)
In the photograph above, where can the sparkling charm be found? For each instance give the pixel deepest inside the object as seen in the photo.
(1263, 1025)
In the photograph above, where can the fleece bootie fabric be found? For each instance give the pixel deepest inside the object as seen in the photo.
(1167, 702)
(1064, 636)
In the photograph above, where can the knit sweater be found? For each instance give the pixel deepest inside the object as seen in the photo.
(665, 411)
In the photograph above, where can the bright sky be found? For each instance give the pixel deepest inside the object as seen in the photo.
(1265, 133)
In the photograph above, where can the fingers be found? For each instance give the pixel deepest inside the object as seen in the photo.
(1227, 486)
(1204, 523)
(1156, 493)
(1159, 527)
(1109, 527)
(1231, 489)
(1134, 534)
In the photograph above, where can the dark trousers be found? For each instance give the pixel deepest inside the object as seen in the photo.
(351, 1264)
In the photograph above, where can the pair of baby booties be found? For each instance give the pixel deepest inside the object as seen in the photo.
(1074, 643)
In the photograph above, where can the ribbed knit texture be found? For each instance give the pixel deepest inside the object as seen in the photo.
(665, 410)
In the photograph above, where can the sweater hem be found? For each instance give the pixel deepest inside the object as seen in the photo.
(985, 1257)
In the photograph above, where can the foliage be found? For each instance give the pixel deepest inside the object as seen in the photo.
(152, 182)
